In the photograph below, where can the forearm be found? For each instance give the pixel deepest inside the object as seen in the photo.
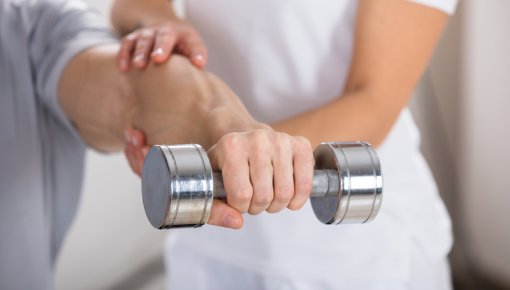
(392, 45)
(352, 117)
(172, 103)
(126, 15)
(97, 98)
(179, 103)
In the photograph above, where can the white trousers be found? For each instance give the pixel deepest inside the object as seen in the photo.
(203, 272)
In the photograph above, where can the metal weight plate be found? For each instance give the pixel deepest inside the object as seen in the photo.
(360, 183)
(177, 186)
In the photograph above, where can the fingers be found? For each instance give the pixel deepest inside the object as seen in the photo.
(157, 42)
(303, 172)
(143, 47)
(127, 47)
(229, 157)
(165, 42)
(135, 149)
(192, 46)
(225, 216)
(261, 172)
(283, 176)
(264, 171)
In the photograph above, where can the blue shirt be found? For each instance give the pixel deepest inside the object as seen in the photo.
(41, 155)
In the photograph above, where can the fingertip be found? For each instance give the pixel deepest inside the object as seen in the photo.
(232, 221)
(127, 132)
(139, 61)
(199, 60)
(158, 55)
(296, 205)
(145, 151)
(223, 215)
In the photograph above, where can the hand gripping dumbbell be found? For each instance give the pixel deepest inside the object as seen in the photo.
(178, 184)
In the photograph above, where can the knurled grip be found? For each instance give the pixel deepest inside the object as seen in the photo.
(324, 182)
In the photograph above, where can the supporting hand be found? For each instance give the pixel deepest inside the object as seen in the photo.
(156, 42)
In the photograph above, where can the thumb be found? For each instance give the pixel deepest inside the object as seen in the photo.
(223, 215)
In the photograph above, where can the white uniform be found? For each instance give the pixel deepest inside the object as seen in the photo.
(283, 58)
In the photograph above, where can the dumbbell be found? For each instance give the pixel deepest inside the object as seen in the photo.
(178, 184)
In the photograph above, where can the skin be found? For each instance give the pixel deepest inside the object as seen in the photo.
(176, 103)
(161, 33)
(393, 42)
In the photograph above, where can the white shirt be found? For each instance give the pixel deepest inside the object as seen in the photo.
(283, 58)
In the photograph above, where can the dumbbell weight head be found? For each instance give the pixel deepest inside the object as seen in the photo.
(178, 184)
(359, 194)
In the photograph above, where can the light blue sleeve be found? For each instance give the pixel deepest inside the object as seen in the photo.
(58, 30)
(447, 6)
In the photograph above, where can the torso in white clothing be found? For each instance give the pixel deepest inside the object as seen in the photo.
(283, 58)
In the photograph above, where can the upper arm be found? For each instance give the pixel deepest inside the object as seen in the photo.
(57, 31)
(394, 40)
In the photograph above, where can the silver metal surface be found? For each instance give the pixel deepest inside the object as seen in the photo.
(324, 182)
(178, 184)
(360, 178)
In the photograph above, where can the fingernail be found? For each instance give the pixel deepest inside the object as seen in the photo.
(231, 222)
(138, 58)
(199, 56)
(145, 150)
(134, 141)
(158, 52)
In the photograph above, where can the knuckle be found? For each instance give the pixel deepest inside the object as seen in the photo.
(304, 186)
(146, 33)
(242, 195)
(165, 36)
(284, 193)
(260, 142)
(166, 28)
(282, 143)
(303, 143)
(230, 143)
(262, 199)
(130, 37)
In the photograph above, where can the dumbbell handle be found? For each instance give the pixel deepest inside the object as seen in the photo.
(324, 182)
(178, 184)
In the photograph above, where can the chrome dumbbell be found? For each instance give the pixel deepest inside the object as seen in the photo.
(178, 184)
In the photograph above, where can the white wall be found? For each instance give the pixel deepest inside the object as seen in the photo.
(484, 166)
(111, 237)
(462, 108)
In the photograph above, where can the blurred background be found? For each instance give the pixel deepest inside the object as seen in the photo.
(461, 106)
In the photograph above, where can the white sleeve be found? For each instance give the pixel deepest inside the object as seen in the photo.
(447, 6)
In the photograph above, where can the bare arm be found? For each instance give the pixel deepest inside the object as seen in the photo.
(173, 102)
(394, 40)
(176, 103)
